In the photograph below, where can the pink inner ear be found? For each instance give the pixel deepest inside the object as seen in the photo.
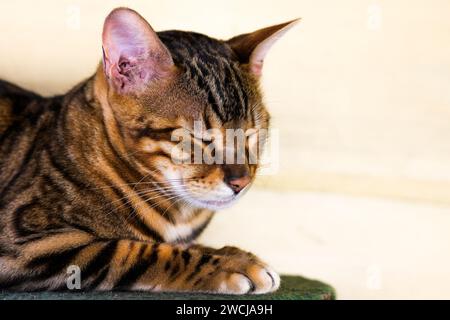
(125, 37)
(129, 45)
(130, 75)
(256, 67)
(259, 53)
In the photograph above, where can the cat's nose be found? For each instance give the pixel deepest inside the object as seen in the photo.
(237, 177)
(238, 184)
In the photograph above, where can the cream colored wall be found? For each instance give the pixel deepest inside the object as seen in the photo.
(359, 92)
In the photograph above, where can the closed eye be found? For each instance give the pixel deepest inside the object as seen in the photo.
(162, 130)
(155, 133)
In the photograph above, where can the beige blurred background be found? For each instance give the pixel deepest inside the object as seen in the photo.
(360, 94)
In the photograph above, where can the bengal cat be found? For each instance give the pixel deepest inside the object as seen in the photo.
(87, 178)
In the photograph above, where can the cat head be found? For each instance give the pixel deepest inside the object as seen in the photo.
(170, 95)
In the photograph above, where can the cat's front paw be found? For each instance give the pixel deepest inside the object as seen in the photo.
(231, 270)
(254, 279)
(241, 272)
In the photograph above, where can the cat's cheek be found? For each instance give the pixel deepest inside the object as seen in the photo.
(170, 172)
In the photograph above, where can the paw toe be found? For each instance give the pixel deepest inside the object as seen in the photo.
(265, 280)
(236, 284)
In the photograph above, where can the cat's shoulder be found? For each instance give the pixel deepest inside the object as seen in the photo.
(13, 101)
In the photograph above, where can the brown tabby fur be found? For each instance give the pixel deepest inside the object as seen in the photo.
(81, 178)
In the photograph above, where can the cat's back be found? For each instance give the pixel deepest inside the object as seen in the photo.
(24, 119)
(13, 103)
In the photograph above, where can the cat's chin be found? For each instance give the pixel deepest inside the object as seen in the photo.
(213, 204)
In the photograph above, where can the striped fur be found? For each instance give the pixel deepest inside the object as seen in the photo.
(85, 179)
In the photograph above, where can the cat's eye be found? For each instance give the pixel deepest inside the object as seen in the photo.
(163, 130)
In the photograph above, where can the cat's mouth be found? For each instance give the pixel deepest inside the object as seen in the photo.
(216, 204)
(221, 198)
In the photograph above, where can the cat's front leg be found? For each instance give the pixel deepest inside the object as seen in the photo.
(174, 268)
(133, 265)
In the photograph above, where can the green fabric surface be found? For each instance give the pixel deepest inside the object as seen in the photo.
(292, 288)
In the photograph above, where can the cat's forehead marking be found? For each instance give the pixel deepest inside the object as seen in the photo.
(212, 71)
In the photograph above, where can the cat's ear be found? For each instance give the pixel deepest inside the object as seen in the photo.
(133, 55)
(251, 48)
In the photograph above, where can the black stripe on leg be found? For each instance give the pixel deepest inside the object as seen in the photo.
(55, 262)
(198, 282)
(141, 265)
(174, 271)
(97, 265)
(98, 279)
(186, 257)
(203, 260)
